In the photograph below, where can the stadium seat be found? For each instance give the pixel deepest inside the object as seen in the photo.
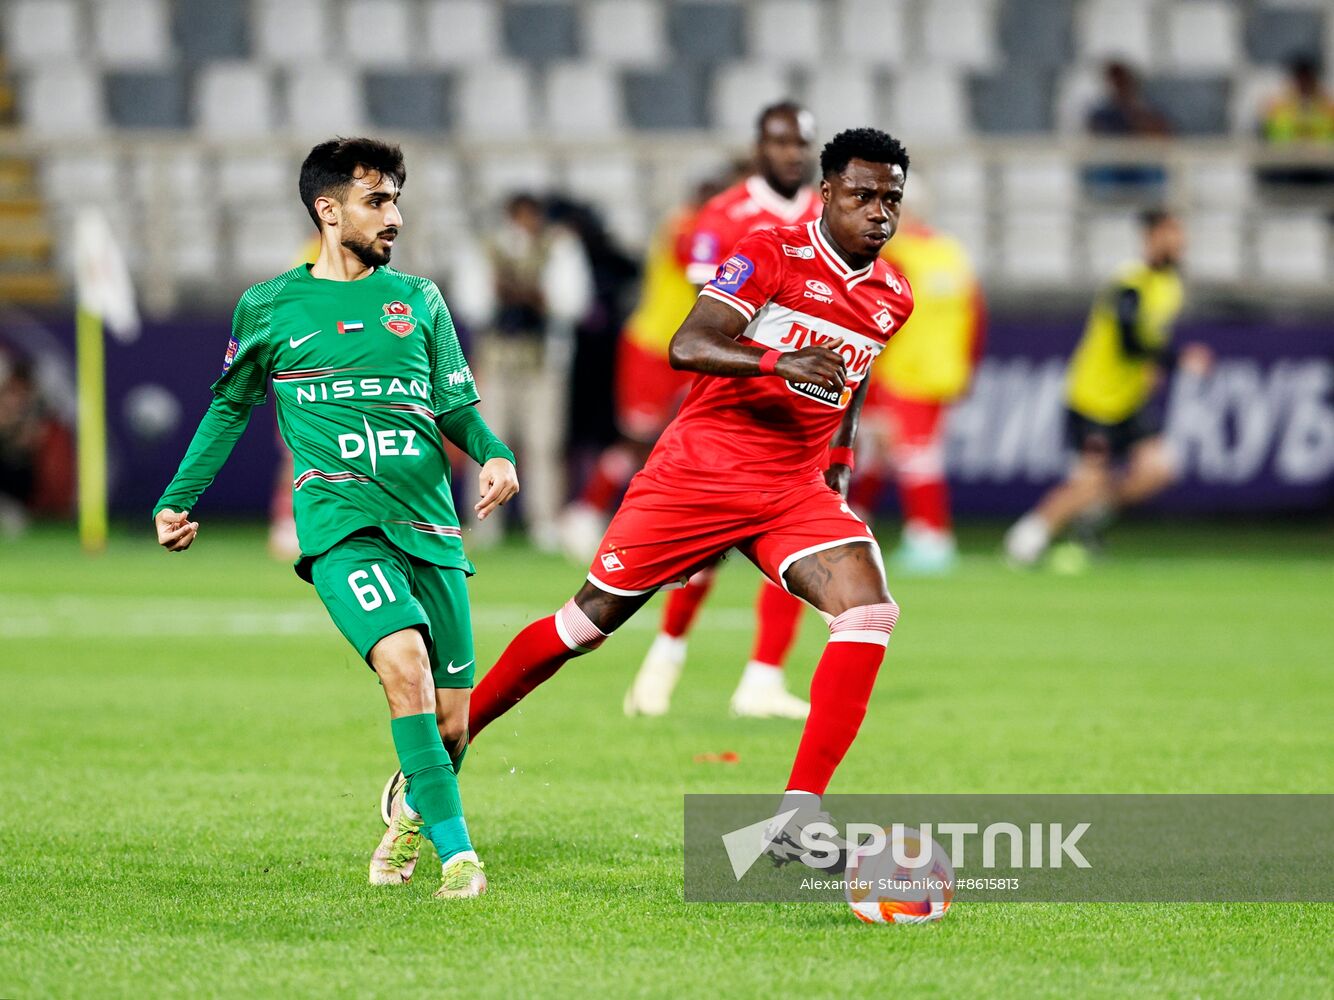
(74, 178)
(626, 222)
(669, 98)
(1036, 33)
(1110, 239)
(147, 99)
(541, 32)
(132, 33)
(1015, 100)
(1293, 249)
(1203, 36)
(1214, 240)
(604, 178)
(962, 33)
(461, 32)
(212, 29)
(788, 32)
(497, 176)
(1116, 29)
(1037, 247)
(364, 20)
(62, 99)
(194, 242)
(969, 227)
(265, 240)
(1277, 35)
(234, 99)
(1216, 182)
(177, 173)
(957, 180)
(1039, 181)
(244, 177)
(411, 101)
(843, 96)
(323, 101)
(38, 32)
(740, 90)
(437, 179)
(582, 100)
(1195, 105)
(625, 32)
(870, 33)
(285, 32)
(705, 31)
(494, 100)
(928, 103)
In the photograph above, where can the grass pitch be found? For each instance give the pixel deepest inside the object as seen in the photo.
(192, 757)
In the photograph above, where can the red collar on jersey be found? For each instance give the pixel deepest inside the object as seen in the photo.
(836, 263)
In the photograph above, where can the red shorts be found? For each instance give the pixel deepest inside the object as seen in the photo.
(662, 533)
(648, 391)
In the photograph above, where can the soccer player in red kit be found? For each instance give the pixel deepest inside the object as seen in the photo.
(782, 338)
(779, 193)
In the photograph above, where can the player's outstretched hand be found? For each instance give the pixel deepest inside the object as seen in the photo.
(822, 366)
(175, 530)
(497, 483)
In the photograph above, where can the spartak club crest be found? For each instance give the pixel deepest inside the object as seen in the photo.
(397, 318)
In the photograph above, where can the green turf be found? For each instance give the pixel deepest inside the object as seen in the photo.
(192, 757)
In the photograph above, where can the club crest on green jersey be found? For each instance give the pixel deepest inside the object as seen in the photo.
(397, 318)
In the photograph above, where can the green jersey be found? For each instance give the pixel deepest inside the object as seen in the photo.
(361, 371)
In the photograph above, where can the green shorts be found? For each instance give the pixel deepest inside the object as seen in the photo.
(373, 589)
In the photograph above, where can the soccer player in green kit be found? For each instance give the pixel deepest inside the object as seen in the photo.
(368, 373)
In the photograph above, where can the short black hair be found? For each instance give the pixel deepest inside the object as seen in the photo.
(1152, 218)
(869, 144)
(331, 167)
(784, 107)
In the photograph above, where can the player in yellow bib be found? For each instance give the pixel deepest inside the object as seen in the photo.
(1125, 353)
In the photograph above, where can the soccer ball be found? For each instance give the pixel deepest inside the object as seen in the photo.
(880, 890)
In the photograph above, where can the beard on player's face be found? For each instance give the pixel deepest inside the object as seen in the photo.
(366, 249)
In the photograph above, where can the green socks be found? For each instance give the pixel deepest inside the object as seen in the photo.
(432, 783)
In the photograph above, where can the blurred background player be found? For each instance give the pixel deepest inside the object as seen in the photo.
(648, 390)
(1123, 357)
(926, 367)
(523, 290)
(777, 194)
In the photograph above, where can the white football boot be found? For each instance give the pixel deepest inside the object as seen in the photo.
(651, 692)
(782, 836)
(763, 694)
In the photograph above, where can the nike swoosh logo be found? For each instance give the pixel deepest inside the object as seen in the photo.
(451, 669)
(297, 343)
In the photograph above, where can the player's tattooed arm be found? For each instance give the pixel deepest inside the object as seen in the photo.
(838, 475)
(707, 343)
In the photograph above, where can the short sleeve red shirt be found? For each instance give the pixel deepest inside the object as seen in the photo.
(795, 291)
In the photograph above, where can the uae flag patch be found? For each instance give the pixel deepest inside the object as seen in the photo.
(351, 326)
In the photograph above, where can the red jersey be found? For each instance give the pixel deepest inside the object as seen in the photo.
(742, 209)
(760, 433)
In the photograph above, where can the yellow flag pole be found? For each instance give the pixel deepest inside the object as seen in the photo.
(92, 431)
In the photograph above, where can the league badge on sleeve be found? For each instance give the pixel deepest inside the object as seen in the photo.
(397, 318)
(734, 272)
(233, 346)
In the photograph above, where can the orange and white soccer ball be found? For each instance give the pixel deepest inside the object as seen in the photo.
(881, 890)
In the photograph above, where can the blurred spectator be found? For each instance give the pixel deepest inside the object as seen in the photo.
(1124, 112)
(524, 290)
(36, 453)
(1303, 111)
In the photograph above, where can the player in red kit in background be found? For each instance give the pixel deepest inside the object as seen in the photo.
(782, 340)
(778, 194)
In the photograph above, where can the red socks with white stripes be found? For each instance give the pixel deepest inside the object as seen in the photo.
(840, 691)
(777, 615)
(678, 614)
(531, 657)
